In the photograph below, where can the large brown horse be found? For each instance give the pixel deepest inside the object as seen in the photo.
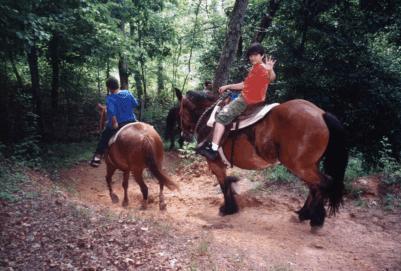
(138, 146)
(297, 134)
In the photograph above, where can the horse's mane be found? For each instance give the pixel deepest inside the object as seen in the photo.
(198, 97)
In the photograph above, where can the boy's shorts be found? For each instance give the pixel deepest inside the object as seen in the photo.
(231, 111)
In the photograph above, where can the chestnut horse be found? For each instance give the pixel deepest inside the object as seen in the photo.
(297, 134)
(137, 147)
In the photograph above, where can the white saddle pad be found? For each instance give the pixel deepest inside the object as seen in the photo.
(251, 119)
(114, 137)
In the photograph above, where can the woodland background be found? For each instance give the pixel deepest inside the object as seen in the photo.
(344, 56)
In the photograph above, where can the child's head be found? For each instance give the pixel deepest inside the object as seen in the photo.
(255, 53)
(112, 83)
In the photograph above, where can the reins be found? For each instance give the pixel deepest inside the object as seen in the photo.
(224, 96)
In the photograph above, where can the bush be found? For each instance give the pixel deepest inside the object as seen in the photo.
(388, 165)
(355, 168)
(11, 177)
(279, 174)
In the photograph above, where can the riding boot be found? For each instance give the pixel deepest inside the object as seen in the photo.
(207, 151)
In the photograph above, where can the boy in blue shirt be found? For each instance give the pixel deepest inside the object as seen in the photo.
(120, 105)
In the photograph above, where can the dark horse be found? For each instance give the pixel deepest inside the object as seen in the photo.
(297, 133)
(138, 146)
(173, 127)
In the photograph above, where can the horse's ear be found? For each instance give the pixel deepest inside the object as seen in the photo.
(178, 94)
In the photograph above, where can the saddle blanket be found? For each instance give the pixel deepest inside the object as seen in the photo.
(115, 136)
(245, 121)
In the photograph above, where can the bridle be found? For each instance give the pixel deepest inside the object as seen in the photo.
(206, 111)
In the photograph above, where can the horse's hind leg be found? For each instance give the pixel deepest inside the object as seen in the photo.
(172, 139)
(313, 208)
(304, 212)
(125, 186)
(109, 174)
(162, 204)
(144, 189)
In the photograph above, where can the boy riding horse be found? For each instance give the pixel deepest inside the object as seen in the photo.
(120, 105)
(253, 88)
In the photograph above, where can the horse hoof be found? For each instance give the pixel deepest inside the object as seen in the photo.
(162, 207)
(114, 198)
(295, 219)
(227, 211)
(144, 206)
(316, 229)
(125, 203)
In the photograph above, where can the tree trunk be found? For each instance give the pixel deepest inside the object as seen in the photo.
(123, 72)
(138, 85)
(15, 70)
(266, 21)
(122, 63)
(230, 44)
(32, 56)
(143, 79)
(160, 77)
(107, 68)
(55, 64)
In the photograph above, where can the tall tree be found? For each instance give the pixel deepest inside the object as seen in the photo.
(266, 20)
(231, 43)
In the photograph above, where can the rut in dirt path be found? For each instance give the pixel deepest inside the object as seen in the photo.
(263, 234)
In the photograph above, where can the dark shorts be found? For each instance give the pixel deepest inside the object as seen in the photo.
(231, 111)
(106, 135)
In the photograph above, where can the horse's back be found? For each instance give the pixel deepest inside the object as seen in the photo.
(132, 142)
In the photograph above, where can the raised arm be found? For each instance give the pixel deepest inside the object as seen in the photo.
(269, 66)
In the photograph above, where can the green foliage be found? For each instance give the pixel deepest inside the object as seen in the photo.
(392, 202)
(61, 156)
(11, 177)
(279, 174)
(344, 56)
(355, 168)
(388, 165)
(188, 154)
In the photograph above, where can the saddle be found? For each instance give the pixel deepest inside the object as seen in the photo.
(251, 115)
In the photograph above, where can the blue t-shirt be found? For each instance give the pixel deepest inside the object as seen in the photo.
(121, 105)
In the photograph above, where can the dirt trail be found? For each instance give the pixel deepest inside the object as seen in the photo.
(264, 234)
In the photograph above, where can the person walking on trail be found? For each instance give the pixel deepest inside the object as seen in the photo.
(254, 89)
(207, 86)
(120, 105)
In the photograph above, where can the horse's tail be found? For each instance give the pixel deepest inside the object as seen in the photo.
(171, 120)
(336, 159)
(154, 167)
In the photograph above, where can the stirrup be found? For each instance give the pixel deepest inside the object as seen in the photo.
(207, 151)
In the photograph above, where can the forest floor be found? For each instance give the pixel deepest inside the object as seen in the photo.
(69, 223)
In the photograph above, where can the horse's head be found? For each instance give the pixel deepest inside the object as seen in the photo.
(102, 115)
(192, 105)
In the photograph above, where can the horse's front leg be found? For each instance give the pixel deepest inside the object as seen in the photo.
(125, 186)
(219, 169)
(109, 174)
